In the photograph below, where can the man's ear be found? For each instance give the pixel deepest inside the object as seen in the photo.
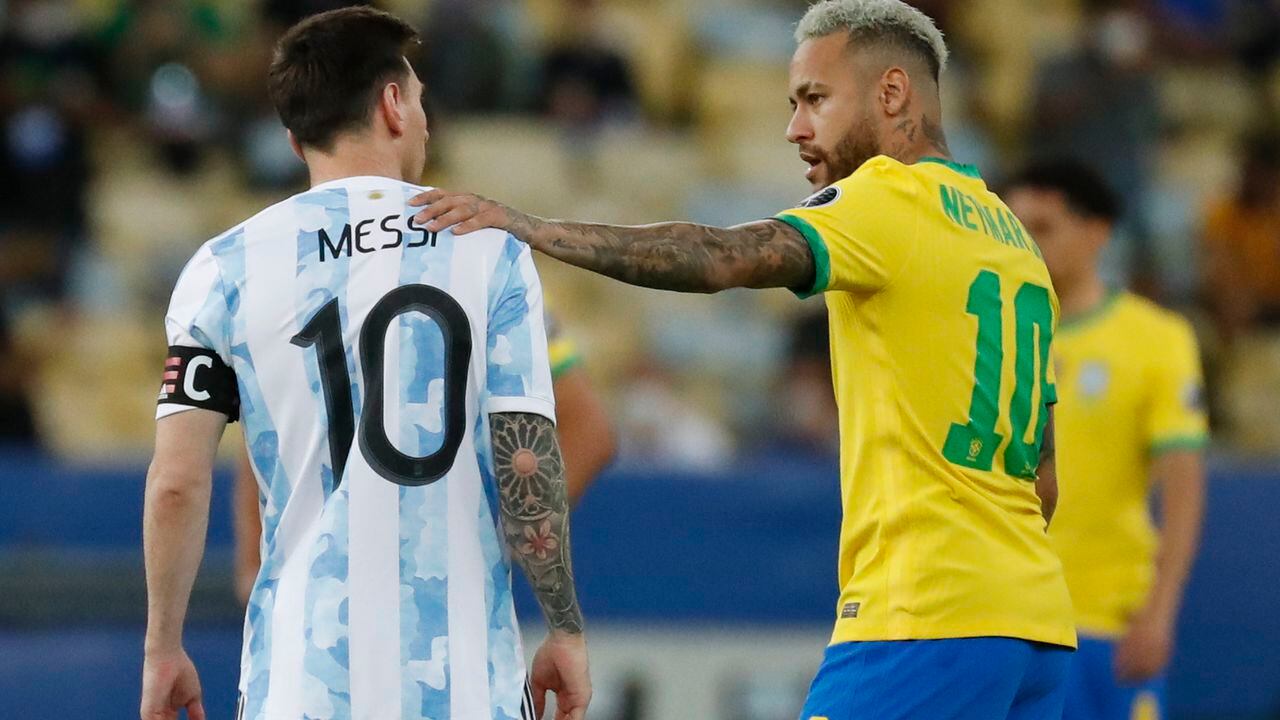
(389, 106)
(297, 146)
(895, 91)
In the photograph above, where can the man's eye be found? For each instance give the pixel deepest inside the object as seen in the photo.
(814, 99)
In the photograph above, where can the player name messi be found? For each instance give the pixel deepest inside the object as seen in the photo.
(356, 237)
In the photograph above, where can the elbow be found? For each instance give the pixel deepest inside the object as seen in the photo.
(172, 488)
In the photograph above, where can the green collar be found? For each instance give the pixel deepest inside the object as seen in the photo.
(967, 170)
(1096, 312)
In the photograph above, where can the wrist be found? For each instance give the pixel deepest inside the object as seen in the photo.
(562, 635)
(161, 644)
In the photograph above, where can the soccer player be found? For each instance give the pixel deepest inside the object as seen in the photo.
(953, 604)
(582, 427)
(1131, 418)
(395, 395)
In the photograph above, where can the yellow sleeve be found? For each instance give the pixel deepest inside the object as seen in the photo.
(861, 230)
(1175, 410)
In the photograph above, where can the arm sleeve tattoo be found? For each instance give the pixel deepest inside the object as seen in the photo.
(535, 511)
(678, 256)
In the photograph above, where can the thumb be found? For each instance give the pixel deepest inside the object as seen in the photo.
(195, 710)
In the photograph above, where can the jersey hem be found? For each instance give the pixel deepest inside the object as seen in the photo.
(1050, 636)
(821, 257)
(535, 405)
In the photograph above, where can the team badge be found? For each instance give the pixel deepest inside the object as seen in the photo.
(1094, 379)
(823, 197)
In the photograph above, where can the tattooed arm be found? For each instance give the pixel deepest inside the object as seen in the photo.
(535, 523)
(668, 256)
(535, 511)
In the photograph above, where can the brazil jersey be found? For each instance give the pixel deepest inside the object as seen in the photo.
(942, 315)
(1130, 387)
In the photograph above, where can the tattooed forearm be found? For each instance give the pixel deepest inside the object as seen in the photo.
(535, 511)
(677, 256)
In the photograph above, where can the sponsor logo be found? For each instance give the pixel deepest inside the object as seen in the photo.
(850, 610)
(823, 197)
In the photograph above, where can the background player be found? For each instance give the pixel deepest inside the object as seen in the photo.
(582, 426)
(396, 399)
(1130, 419)
(941, 321)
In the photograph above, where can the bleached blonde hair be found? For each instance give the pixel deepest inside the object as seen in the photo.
(888, 21)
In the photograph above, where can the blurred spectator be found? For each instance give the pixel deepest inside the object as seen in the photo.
(163, 54)
(1242, 244)
(658, 424)
(807, 420)
(584, 79)
(48, 90)
(17, 423)
(1242, 278)
(463, 58)
(1100, 102)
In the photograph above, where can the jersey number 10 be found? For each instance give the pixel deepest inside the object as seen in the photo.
(974, 444)
(324, 332)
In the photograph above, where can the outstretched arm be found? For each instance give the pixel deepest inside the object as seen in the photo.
(535, 523)
(668, 256)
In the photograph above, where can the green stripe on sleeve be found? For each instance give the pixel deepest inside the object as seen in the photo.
(564, 365)
(821, 258)
(1179, 442)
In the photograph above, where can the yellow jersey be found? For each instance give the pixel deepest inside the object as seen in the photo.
(942, 314)
(1130, 387)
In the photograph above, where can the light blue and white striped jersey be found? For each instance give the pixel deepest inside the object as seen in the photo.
(368, 353)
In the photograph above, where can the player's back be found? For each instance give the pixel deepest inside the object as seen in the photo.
(942, 314)
(367, 351)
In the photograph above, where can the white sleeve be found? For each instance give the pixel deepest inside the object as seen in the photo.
(197, 371)
(518, 367)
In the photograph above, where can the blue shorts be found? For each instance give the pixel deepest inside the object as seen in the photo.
(986, 678)
(1093, 693)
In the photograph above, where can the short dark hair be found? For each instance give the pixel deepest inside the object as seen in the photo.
(1085, 191)
(329, 69)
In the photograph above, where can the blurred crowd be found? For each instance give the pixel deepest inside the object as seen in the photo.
(133, 130)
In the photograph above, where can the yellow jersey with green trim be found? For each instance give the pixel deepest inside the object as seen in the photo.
(942, 315)
(1129, 386)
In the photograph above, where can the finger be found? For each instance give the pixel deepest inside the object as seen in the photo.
(479, 222)
(451, 218)
(539, 692)
(427, 197)
(195, 710)
(436, 209)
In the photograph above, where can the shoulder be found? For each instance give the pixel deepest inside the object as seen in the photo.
(1158, 325)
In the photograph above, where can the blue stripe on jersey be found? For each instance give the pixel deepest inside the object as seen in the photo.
(507, 331)
(326, 679)
(508, 311)
(424, 522)
(262, 443)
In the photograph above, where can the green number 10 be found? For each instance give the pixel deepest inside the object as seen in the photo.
(974, 443)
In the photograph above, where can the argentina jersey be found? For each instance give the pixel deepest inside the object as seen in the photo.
(367, 353)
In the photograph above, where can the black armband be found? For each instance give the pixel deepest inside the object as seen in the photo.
(196, 377)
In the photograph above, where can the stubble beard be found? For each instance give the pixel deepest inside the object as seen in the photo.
(855, 148)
